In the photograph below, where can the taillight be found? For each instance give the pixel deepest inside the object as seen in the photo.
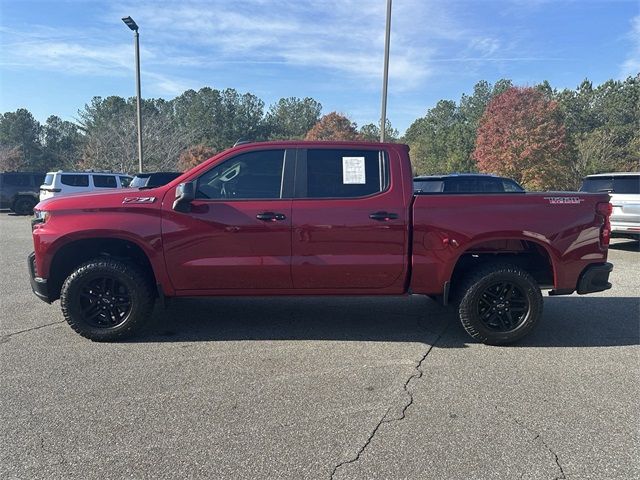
(604, 210)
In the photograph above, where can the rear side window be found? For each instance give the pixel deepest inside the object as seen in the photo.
(105, 181)
(74, 180)
(597, 184)
(613, 184)
(343, 173)
(630, 184)
(17, 180)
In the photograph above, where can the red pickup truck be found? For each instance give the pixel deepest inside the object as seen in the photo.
(316, 218)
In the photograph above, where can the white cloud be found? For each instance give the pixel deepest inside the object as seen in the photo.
(631, 65)
(331, 39)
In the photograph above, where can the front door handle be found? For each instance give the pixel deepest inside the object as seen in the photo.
(271, 216)
(383, 216)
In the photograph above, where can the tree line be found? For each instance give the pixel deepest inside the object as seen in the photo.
(543, 137)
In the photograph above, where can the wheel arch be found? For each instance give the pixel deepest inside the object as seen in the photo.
(74, 252)
(531, 255)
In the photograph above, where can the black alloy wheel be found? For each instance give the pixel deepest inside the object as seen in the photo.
(499, 303)
(105, 299)
(105, 302)
(502, 306)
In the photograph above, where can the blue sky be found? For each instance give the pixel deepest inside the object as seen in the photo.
(56, 55)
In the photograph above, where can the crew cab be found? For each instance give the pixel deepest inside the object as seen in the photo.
(315, 218)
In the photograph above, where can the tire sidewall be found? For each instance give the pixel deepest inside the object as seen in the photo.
(71, 305)
(24, 206)
(469, 306)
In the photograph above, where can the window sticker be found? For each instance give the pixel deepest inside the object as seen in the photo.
(353, 171)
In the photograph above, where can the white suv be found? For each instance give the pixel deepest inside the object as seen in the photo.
(624, 189)
(63, 183)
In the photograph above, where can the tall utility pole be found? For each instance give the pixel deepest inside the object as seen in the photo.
(385, 74)
(133, 26)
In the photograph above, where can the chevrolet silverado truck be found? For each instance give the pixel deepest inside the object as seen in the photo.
(316, 218)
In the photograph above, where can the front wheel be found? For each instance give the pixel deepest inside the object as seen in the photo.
(500, 304)
(106, 299)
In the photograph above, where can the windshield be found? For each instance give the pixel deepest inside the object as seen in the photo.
(424, 185)
(48, 180)
(138, 182)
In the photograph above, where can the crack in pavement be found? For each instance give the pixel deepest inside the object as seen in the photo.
(417, 375)
(5, 338)
(538, 436)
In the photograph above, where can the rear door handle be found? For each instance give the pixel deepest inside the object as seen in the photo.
(383, 216)
(271, 216)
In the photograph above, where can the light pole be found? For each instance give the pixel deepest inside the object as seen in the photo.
(385, 74)
(134, 26)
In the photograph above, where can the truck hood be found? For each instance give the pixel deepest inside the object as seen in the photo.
(108, 200)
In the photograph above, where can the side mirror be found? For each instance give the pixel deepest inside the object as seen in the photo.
(185, 194)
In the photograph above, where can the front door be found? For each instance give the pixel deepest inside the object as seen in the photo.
(350, 224)
(237, 235)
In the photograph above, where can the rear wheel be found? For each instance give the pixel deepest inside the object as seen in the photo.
(106, 299)
(499, 304)
(24, 205)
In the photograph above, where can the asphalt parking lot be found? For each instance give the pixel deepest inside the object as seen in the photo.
(319, 388)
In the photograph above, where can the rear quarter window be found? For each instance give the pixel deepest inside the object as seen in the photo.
(105, 181)
(74, 180)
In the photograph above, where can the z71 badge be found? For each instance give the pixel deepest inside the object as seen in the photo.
(139, 199)
(564, 200)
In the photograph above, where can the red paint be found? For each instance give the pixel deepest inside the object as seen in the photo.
(327, 246)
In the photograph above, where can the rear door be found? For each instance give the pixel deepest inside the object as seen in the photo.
(237, 235)
(350, 221)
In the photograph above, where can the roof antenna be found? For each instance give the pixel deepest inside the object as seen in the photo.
(241, 142)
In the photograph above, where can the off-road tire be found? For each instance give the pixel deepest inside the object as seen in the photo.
(129, 276)
(24, 205)
(472, 294)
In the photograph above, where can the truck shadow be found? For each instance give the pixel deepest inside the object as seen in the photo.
(625, 245)
(567, 322)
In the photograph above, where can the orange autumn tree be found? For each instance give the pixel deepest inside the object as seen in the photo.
(522, 136)
(334, 126)
(194, 156)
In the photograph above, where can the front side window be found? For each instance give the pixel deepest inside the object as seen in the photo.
(104, 181)
(125, 181)
(74, 180)
(252, 175)
(343, 173)
(511, 186)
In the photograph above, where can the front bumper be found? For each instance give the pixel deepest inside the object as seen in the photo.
(38, 285)
(595, 278)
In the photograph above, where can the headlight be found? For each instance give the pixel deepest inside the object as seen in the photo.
(39, 217)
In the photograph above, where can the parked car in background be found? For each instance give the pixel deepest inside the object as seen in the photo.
(624, 188)
(62, 183)
(153, 179)
(465, 183)
(19, 191)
